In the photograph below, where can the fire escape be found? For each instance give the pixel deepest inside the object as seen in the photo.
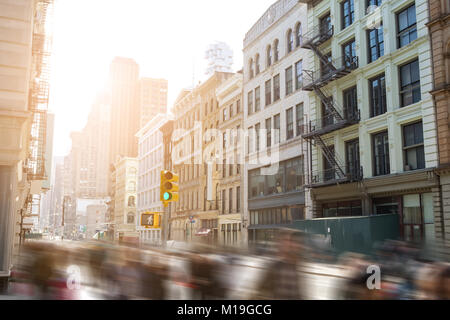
(334, 117)
(38, 97)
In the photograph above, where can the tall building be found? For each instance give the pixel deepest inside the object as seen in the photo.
(125, 111)
(231, 120)
(439, 30)
(195, 142)
(274, 106)
(89, 155)
(152, 98)
(151, 162)
(372, 124)
(220, 58)
(24, 90)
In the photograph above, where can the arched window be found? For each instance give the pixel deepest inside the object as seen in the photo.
(290, 41)
(269, 55)
(276, 50)
(298, 35)
(130, 217)
(131, 201)
(257, 63)
(250, 68)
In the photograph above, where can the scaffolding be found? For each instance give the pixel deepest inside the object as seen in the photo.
(39, 90)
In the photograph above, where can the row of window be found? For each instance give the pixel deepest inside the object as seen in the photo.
(292, 129)
(273, 53)
(228, 113)
(254, 96)
(273, 216)
(230, 200)
(288, 177)
(413, 152)
(406, 27)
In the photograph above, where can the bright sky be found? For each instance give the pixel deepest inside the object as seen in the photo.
(167, 38)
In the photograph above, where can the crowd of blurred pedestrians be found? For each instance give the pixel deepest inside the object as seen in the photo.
(124, 272)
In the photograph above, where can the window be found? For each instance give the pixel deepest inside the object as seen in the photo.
(294, 175)
(276, 88)
(289, 123)
(350, 103)
(329, 167)
(238, 106)
(377, 89)
(347, 13)
(231, 111)
(230, 201)
(131, 201)
(298, 35)
(276, 51)
(268, 132)
(325, 25)
(376, 3)
(381, 154)
(298, 75)
(130, 217)
(288, 80)
(325, 68)
(257, 99)
(250, 139)
(290, 41)
(268, 92)
(349, 54)
(212, 105)
(250, 69)
(238, 199)
(352, 157)
(257, 64)
(406, 26)
(250, 102)
(413, 148)
(327, 114)
(410, 83)
(375, 43)
(257, 131)
(269, 56)
(224, 114)
(299, 118)
(223, 200)
(276, 126)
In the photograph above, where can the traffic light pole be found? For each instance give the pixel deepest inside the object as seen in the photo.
(165, 224)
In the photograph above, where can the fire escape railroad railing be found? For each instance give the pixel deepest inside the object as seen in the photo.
(39, 91)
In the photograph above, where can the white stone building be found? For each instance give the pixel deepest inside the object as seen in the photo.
(151, 161)
(376, 143)
(274, 107)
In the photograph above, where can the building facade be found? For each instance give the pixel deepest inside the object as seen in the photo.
(439, 29)
(229, 95)
(195, 142)
(124, 188)
(371, 120)
(152, 98)
(24, 92)
(274, 106)
(151, 162)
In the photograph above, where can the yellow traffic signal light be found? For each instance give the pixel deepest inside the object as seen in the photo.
(151, 220)
(168, 187)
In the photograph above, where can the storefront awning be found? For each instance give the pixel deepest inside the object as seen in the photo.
(203, 232)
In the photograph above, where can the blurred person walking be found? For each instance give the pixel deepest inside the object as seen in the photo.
(281, 279)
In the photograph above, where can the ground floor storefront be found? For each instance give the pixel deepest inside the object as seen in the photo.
(413, 196)
(230, 227)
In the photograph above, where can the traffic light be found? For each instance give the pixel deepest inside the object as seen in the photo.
(151, 220)
(168, 187)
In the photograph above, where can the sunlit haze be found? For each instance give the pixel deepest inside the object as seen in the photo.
(166, 38)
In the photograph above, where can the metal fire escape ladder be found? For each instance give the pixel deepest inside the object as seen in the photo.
(330, 156)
